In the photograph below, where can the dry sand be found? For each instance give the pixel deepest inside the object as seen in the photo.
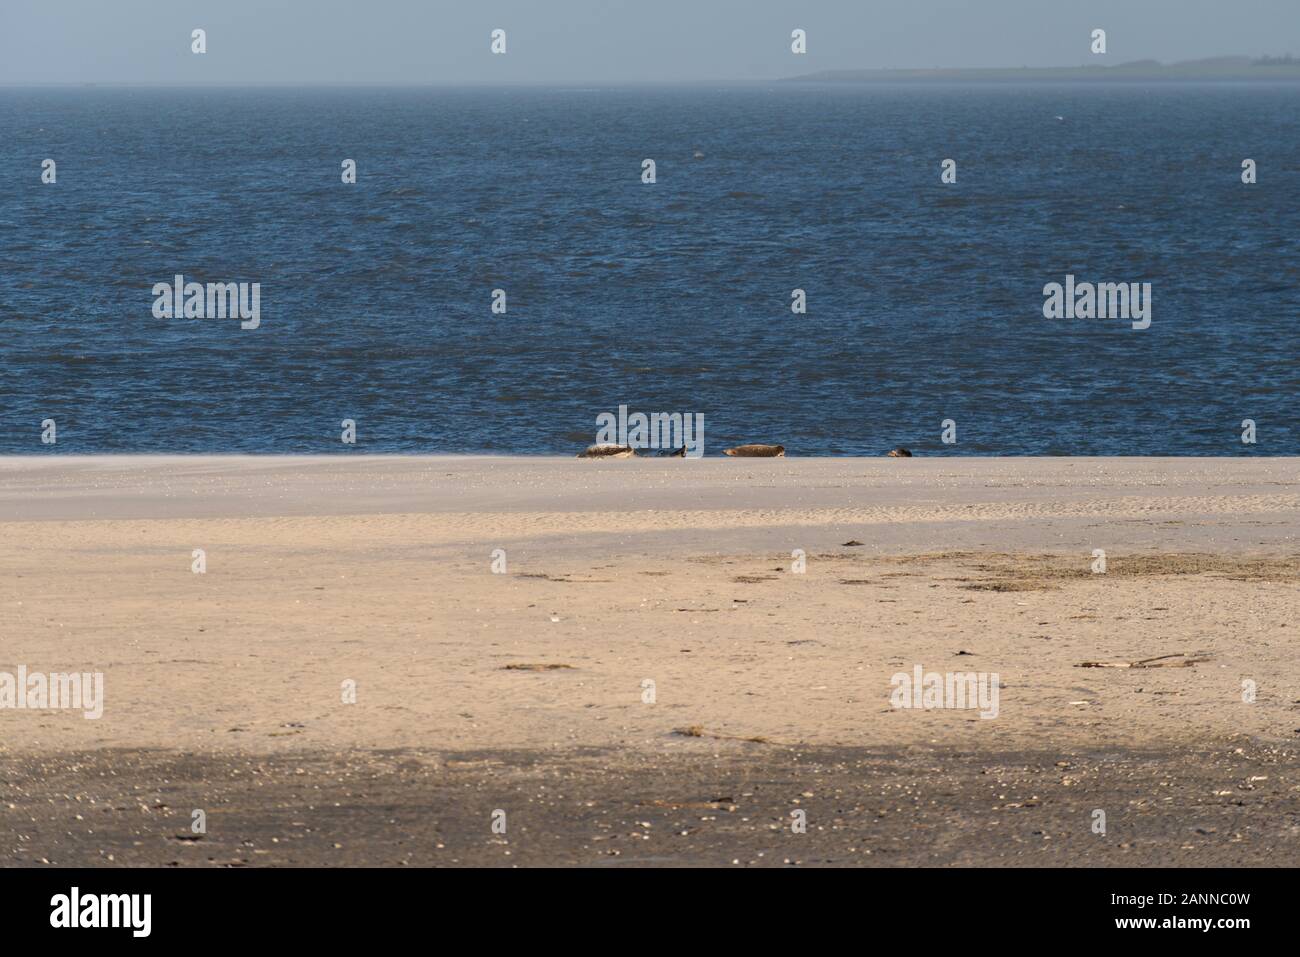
(525, 691)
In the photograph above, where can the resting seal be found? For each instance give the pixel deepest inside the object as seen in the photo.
(899, 453)
(757, 451)
(607, 451)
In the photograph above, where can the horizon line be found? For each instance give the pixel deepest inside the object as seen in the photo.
(830, 75)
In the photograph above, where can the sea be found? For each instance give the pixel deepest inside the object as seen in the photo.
(923, 323)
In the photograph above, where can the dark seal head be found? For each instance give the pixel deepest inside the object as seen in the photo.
(899, 453)
(757, 451)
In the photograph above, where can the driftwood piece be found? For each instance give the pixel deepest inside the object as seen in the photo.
(1160, 661)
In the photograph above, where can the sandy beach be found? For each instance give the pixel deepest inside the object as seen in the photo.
(651, 661)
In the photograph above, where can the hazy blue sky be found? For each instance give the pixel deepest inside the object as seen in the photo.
(603, 41)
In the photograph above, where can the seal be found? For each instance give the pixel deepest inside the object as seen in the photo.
(899, 453)
(607, 451)
(757, 451)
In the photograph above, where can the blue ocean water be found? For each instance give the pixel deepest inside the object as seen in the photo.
(924, 299)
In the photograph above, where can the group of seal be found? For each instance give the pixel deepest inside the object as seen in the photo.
(610, 451)
(753, 450)
(606, 450)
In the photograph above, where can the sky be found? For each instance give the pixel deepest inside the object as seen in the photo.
(603, 41)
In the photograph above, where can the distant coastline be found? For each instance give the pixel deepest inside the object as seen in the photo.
(1284, 68)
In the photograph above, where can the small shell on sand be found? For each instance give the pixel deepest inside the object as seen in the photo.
(899, 453)
(757, 451)
(607, 451)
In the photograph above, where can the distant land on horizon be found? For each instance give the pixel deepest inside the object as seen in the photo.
(1214, 68)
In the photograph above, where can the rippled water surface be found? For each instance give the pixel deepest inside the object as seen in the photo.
(924, 299)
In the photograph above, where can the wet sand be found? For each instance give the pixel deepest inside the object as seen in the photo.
(525, 689)
(928, 806)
